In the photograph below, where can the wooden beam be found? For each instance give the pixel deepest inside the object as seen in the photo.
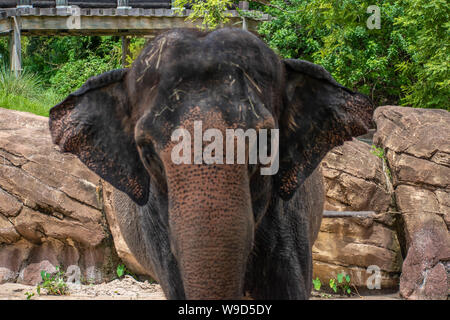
(134, 21)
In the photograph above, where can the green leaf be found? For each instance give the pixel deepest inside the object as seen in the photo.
(120, 270)
(333, 285)
(317, 284)
(340, 276)
(347, 278)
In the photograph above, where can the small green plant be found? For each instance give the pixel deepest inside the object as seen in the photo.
(333, 285)
(317, 284)
(29, 295)
(339, 284)
(379, 152)
(122, 270)
(53, 283)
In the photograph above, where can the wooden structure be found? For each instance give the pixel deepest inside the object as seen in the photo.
(102, 17)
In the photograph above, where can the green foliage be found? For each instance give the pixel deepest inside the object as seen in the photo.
(25, 84)
(53, 283)
(405, 62)
(136, 45)
(212, 12)
(62, 63)
(25, 92)
(334, 34)
(46, 56)
(426, 29)
(29, 295)
(122, 270)
(317, 284)
(72, 75)
(341, 283)
(333, 285)
(379, 152)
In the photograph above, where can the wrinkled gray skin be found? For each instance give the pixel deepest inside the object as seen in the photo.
(213, 231)
(134, 223)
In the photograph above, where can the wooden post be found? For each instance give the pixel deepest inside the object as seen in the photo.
(243, 5)
(15, 48)
(125, 50)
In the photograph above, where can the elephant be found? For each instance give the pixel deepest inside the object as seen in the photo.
(220, 230)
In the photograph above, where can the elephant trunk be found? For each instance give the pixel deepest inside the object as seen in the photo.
(211, 225)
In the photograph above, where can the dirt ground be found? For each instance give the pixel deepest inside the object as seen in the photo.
(125, 289)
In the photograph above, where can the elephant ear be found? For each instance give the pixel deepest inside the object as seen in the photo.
(96, 123)
(318, 114)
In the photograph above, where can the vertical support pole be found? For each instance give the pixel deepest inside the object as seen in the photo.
(244, 24)
(15, 48)
(125, 50)
(243, 5)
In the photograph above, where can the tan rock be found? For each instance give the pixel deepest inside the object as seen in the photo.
(444, 205)
(363, 278)
(8, 233)
(9, 206)
(419, 171)
(354, 179)
(418, 132)
(11, 259)
(418, 153)
(50, 207)
(35, 226)
(352, 245)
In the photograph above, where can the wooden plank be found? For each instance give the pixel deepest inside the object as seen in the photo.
(345, 214)
(138, 25)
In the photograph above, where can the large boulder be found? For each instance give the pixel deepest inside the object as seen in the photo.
(359, 245)
(50, 207)
(416, 143)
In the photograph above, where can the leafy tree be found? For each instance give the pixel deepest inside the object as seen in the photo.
(51, 56)
(405, 62)
(212, 12)
(426, 27)
(334, 34)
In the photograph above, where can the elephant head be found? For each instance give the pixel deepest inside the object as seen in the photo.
(121, 125)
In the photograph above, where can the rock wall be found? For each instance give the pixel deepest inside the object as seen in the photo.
(50, 207)
(365, 245)
(406, 181)
(416, 143)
